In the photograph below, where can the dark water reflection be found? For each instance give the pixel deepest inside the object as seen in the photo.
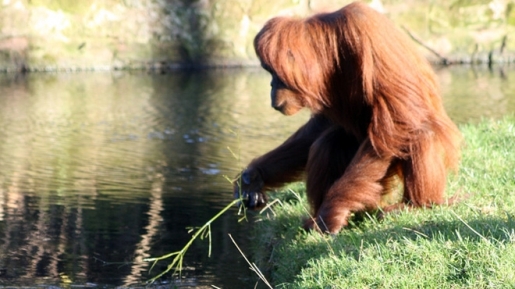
(98, 171)
(103, 168)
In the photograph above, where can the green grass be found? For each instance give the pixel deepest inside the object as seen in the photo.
(468, 245)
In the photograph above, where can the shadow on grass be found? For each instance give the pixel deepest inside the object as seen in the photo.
(441, 230)
(490, 229)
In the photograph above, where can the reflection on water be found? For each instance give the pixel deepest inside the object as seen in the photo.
(99, 171)
(472, 93)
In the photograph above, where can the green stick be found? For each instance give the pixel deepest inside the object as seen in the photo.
(178, 256)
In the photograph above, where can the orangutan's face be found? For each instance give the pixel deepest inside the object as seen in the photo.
(284, 99)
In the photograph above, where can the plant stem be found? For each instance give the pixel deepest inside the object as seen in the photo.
(176, 263)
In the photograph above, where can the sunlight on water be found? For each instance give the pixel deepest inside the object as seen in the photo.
(124, 163)
(99, 171)
(472, 93)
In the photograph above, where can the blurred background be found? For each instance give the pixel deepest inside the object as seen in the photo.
(121, 121)
(118, 34)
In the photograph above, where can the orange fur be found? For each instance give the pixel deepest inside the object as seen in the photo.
(377, 115)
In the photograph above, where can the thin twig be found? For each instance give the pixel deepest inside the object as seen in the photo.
(253, 266)
(177, 261)
(444, 60)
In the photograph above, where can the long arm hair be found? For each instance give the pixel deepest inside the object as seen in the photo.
(379, 100)
(356, 67)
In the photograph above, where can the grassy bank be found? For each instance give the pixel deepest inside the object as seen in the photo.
(469, 245)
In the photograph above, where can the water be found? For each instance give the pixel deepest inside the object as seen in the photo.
(473, 93)
(99, 171)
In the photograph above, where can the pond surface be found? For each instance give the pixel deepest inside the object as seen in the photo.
(101, 170)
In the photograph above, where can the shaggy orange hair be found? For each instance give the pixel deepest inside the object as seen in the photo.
(377, 115)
